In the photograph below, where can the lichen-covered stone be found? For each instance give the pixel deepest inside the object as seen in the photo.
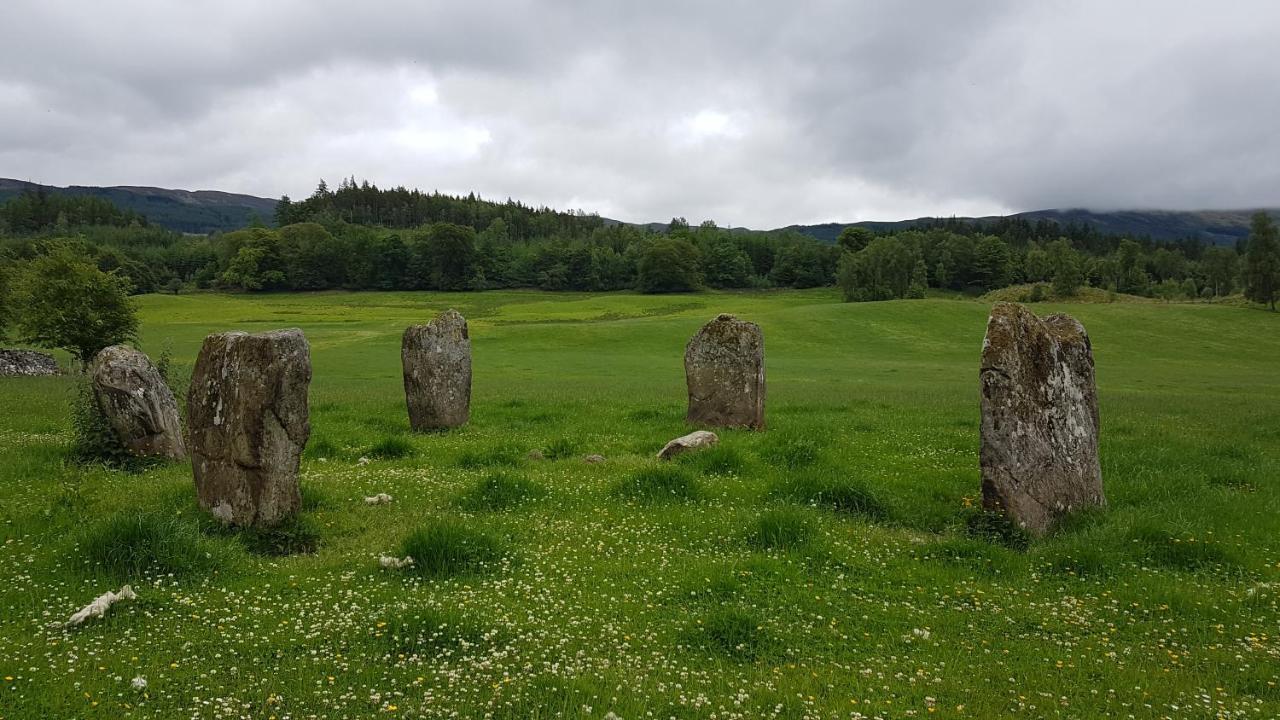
(437, 372)
(695, 440)
(137, 403)
(26, 363)
(724, 368)
(247, 410)
(1039, 452)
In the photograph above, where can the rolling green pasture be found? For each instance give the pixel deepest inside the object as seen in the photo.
(832, 566)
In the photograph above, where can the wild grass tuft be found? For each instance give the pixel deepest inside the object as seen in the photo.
(791, 453)
(780, 530)
(994, 527)
(136, 544)
(716, 460)
(659, 482)
(734, 633)
(505, 455)
(391, 447)
(560, 449)
(828, 490)
(447, 547)
(320, 448)
(428, 630)
(499, 491)
(296, 535)
(1162, 548)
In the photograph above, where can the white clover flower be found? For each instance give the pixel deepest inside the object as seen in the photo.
(138, 683)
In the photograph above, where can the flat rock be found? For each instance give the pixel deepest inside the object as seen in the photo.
(695, 440)
(26, 363)
(247, 410)
(724, 369)
(593, 459)
(1039, 451)
(437, 372)
(137, 403)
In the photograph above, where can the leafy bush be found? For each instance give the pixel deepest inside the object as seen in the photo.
(500, 491)
(133, 545)
(448, 547)
(659, 482)
(780, 530)
(93, 439)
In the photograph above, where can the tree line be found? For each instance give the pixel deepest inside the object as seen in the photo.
(362, 237)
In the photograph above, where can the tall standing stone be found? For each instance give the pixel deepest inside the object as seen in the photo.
(437, 372)
(247, 410)
(137, 403)
(1039, 451)
(724, 368)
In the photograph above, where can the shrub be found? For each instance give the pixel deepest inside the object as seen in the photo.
(842, 494)
(499, 491)
(135, 544)
(735, 633)
(449, 547)
(659, 482)
(560, 448)
(93, 440)
(780, 530)
(392, 447)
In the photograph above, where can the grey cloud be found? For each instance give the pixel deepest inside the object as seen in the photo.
(755, 114)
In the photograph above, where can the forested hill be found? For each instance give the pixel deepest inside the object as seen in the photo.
(1216, 227)
(202, 211)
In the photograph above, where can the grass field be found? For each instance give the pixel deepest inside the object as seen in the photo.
(830, 566)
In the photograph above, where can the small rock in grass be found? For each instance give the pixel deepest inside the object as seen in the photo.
(593, 459)
(395, 563)
(536, 455)
(379, 499)
(695, 440)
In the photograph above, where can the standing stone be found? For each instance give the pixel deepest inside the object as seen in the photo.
(724, 367)
(137, 403)
(437, 372)
(247, 409)
(1039, 452)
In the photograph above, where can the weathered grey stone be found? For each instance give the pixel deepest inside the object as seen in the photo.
(26, 363)
(1039, 451)
(137, 403)
(437, 372)
(695, 440)
(724, 368)
(247, 410)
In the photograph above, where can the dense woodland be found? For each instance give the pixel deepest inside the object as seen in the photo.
(362, 237)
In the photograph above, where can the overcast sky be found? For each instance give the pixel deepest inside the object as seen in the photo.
(748, 113)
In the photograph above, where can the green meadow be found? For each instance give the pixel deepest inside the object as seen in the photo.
(834, 565)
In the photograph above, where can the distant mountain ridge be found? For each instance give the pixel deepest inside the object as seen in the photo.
(201, 211)
(204, 211)
(1219, 227)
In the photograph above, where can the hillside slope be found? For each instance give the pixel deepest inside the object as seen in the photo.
(201, 211)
